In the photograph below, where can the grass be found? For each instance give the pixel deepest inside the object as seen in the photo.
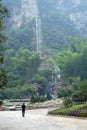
(76, 110)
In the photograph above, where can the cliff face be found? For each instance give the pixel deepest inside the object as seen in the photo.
(28, 10)
(76, 10)
(23, 10)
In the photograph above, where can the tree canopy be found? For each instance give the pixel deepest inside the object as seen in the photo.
(3, 15)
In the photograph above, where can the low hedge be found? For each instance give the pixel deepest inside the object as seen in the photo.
(76, 110)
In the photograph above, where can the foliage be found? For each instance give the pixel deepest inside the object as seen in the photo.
(43, 78)
(73, 64)
(48, 96)
(3, 79)
(78, 97)
(74, 110)
(41, 82)
(83, 88)
(54, 34)
(32, 99)
(35, 99)
(67, 102)
(24, 91)
(54, 25)
(64, 92)
(59, 37)
(3, 16)
(55, 29)
(21, 67)
(81, 94)
(0, 102)
(46, 72)
(23, 38)
(84, 113)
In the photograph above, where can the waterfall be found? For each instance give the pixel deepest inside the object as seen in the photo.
(30, 9)
(56, 69)
(54, 78)
(38, 35)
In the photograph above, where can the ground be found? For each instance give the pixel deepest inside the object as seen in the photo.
(39, 120)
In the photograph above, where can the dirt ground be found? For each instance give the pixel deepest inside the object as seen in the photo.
(39, 120)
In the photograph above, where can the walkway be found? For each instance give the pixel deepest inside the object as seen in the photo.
(38, 120)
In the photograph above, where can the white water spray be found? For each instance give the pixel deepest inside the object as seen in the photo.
(38, 35)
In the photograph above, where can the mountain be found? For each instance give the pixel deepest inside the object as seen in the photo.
(75, 10)
(21, 10)
(59, 18)
(47, 27)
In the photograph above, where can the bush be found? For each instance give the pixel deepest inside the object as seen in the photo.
(63, 92)
(83, 113)
(48, 96)
(35, 99)
(76, 110)
(67, 102)
(78, 97)
(32, 99)
(0, 102)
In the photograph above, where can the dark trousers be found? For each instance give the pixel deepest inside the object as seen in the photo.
(23, 113)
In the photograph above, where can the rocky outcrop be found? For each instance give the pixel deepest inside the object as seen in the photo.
(75, 10)
(23, 10)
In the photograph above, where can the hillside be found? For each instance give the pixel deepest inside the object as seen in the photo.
(59, 18)
(46, 47)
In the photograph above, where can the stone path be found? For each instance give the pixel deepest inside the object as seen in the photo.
(39, 120)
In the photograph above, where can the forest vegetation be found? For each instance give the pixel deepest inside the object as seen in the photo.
(63, 58)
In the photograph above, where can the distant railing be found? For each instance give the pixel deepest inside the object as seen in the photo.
(19, 100)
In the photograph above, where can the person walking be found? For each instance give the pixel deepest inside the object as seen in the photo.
(23, 109)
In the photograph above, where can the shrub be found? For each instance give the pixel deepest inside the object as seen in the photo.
(32, 99)
(83, 113)
(48, 96)
(78, 97)
(63, 92)
(67, 102)
(0, 102)
(35, 99)
(76, 110)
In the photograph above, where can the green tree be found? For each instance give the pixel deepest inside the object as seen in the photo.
(78, 97)
(83, 88)
(73, 64)
(22, 66)
(64, 92)
(84, 63)
(42, 84)
(3, 15)
(81, 94)
(32, 99)
(67, 102)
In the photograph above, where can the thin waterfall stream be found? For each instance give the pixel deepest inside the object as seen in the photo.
(38, 35)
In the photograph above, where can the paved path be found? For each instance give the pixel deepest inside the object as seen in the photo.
(38, 120)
